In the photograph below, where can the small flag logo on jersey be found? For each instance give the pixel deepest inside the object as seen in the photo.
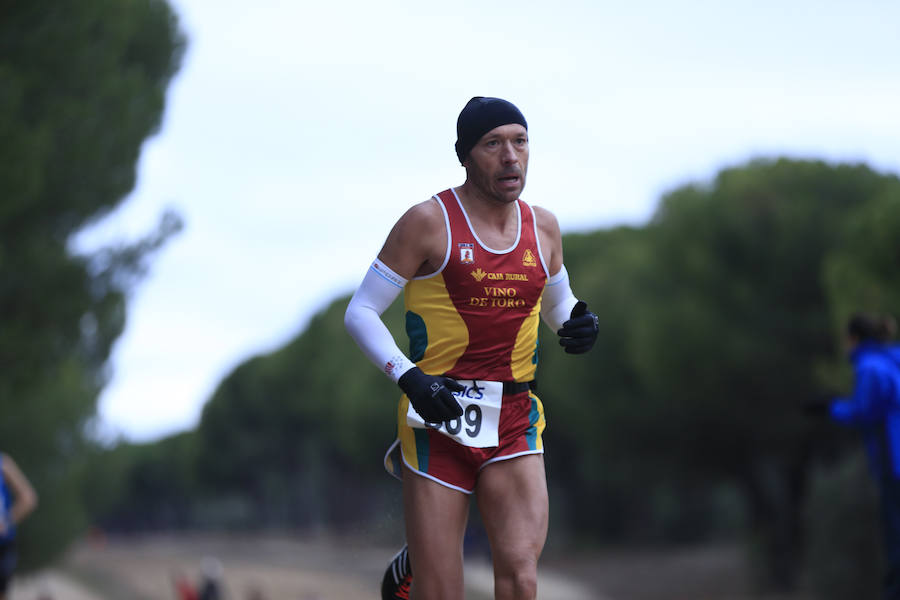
(466, 253)
(528, 259)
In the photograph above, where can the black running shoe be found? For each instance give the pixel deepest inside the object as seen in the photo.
(397, 578)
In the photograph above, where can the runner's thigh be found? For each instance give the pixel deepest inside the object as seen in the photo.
(435, 525)
(512, 499)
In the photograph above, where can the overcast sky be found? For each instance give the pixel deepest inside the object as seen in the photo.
(297, 132)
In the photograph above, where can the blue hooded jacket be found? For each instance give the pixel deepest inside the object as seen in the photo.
(9, 531)
(874, 407)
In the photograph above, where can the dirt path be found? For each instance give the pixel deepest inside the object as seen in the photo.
(713, 572)
(257, 568)
(281, 568)
(50, 584)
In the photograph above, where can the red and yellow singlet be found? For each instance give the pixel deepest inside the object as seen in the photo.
(477, 317)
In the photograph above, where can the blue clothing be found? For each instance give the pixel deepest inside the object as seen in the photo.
(874, 407)
(5, 505)
(8, 555)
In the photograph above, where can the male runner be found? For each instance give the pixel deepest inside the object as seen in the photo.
(477, 267)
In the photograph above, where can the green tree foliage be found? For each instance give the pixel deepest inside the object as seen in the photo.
(302, 431)
(727, 324)
(861, 273)
(158, 479)
(82, 85)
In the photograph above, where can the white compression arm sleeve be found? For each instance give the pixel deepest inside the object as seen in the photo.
(558, 300)
(379, 288)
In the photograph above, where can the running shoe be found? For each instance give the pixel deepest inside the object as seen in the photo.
(397, 578)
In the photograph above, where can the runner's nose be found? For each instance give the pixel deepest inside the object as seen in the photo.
(509, 154)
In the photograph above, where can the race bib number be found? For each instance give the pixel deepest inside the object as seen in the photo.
(478, 425)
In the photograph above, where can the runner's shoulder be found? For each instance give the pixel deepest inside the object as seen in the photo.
(419, 235)
(546, 220)
(426, 214)
(423, 221)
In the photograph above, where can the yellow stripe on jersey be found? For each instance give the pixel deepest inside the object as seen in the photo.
(447, 336)
(406, 434)
(534, 435)
(524, 357)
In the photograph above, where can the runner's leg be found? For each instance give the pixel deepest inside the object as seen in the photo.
(435, 523)
(512, 498)
(890, 510)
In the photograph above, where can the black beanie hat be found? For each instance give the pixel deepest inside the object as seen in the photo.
(479, 116)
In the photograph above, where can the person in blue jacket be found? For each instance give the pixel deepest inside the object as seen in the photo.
(874, 409)
(17, 500)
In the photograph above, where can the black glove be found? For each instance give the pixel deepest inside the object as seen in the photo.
(579, 333)
(430, 395)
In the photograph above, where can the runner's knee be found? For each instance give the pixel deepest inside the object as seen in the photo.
(520, 585)
(516, 577)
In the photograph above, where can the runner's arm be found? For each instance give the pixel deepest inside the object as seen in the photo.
(576, 326)
(868, 404)
(417, 244)
(376, 293)
(558, 299)
(414, 245)
(430, 395)
(409, 249)
(24, 497)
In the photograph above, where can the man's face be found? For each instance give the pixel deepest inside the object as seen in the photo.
(498, 163)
